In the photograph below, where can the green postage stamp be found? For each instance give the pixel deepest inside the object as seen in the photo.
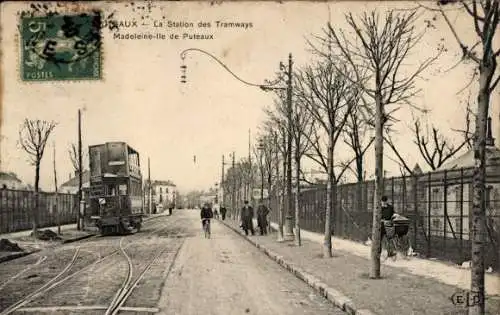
(61, 47)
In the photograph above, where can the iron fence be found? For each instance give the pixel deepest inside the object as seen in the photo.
(17, 209)
(439, 205)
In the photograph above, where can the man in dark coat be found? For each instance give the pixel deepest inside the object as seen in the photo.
(206, 213)
(246, 218)
(262, 212)
(223, 212)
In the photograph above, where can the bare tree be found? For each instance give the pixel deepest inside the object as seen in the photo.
(278, 126)
(33, 137)
(434, 148)
(376, 54)
(302, 128)
(73, 155)
(329, 97)
(484, 16)
(355, 136)
(466, 132)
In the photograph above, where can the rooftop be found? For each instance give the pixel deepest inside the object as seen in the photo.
(9, 176)
(466, 160)
(74, 180)
(162, 183)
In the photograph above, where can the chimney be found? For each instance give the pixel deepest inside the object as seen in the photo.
(490, 141)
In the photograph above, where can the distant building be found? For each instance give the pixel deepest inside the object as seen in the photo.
(163, 193)
(71, 186)
(457, 204)
(9, 180)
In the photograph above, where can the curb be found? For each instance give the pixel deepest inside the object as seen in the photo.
(16, 256)
(334, 296)
(76, 239)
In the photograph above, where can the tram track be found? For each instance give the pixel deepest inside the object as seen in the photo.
(23, 271)
(59, 279)
(42, 289)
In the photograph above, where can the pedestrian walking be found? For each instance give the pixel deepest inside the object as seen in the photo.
(262, 212)
(170, 208)
(246, 218)
(223, 212)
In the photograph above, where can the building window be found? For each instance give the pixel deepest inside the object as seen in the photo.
(436, 199)
(457, 225)
(487, 196)
(123, 189)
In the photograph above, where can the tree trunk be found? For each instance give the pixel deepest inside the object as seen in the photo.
(298, 240)
(478, 203)
(360, 179)
(37, 201)
(379, 181)
(281, 234)
(327, 244)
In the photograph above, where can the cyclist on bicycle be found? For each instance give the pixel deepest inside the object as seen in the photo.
(387, 216)
(206, 214)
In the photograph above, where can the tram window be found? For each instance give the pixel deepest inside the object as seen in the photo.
(111, 190)
(123, 189)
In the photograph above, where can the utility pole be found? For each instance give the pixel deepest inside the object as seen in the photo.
(249, 194)
(80, 225)
(289, 205)
(233, 192)
(56, 206)
(261, 166)
(149, 188)
(222, 192)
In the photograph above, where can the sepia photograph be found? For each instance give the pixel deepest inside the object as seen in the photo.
(250, 157)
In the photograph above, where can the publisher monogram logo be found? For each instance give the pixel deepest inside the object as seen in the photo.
(466, 298)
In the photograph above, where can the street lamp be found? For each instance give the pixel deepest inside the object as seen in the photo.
(270, 86)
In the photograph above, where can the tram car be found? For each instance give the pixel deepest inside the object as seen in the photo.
(115, 192)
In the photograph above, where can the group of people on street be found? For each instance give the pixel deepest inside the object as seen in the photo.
(247, 215)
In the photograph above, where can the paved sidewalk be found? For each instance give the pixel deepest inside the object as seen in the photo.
(346, 280)
(440, 271)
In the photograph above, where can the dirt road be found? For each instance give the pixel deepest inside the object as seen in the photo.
(227, 275)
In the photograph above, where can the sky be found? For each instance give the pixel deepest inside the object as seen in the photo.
(140, 99)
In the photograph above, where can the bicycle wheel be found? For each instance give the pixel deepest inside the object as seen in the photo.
(205, 229)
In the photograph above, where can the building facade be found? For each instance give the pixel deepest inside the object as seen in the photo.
(71, 186)
(163, 194)
(11, 181)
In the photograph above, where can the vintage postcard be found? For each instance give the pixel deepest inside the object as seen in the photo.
(250, 157)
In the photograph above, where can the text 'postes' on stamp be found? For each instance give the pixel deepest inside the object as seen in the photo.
(61, 47)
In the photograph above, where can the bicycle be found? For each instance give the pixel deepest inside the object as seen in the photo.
(206, 227)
